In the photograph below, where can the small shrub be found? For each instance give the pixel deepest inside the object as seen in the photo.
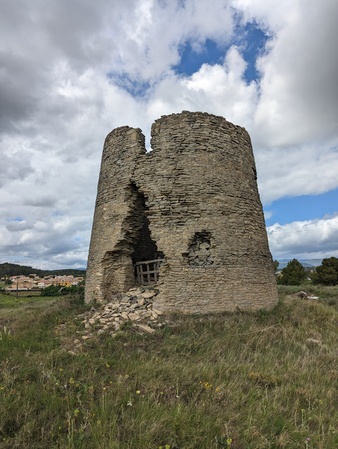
(51, 290)
(293, 274)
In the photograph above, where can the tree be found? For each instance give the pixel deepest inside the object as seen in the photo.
(57, 290)
(8, 281)
(51, 290)
(293, 274)
(326, 273)
(275, 265)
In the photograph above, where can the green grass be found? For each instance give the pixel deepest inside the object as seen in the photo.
(230, 381)
(11, 301)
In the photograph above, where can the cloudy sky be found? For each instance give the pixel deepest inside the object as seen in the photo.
(73, 70)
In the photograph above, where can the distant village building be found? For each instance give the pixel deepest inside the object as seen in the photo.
(34, 282)
(185, 217)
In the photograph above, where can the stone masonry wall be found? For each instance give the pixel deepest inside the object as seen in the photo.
(196, 195)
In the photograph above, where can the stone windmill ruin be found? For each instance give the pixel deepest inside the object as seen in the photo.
(185, 217)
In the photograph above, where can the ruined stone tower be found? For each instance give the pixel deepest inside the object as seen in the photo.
(186, 217)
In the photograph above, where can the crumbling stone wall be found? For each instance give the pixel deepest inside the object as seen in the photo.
(192, 200)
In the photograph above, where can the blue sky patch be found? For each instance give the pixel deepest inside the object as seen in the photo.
(250, 40)
(301, 208)
(192, 60)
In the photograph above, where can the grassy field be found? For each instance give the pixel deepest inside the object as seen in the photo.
(231, 381)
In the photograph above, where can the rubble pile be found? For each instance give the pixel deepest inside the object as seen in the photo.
(136, 307)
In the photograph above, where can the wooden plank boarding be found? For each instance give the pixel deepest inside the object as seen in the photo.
(147, 272)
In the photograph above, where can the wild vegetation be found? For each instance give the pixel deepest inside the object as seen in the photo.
(56, 290)
(327, 272)
(232, 381)
(12, 269)
(294, 273)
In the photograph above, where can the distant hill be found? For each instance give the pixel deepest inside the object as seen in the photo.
(307, 263)
(12, 269)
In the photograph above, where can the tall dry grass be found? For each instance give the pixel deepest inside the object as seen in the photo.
(234, 381)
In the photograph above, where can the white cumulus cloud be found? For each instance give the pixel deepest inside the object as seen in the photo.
(72, 71)
(307, 239)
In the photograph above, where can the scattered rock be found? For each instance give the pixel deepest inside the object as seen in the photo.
(304, 295)
(145, 328)
(135, 306)
(149, 294)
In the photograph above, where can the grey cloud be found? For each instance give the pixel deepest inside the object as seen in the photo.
(18, 226)
(296, 170)
(299, 97)
(40, 200)
(60, 245)
(16, 101)
(15, 166)
(27, 241)
(70, 260)
(34, 39)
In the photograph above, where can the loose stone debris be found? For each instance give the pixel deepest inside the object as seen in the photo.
(135, 307)
(304, 295)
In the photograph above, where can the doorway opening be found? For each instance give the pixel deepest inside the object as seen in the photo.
(146, 256)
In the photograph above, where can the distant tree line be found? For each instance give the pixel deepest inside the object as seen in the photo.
(294, 273)
(11, 269)
(57, 290)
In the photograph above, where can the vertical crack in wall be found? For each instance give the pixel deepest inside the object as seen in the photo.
(143, 247)
(136, 245)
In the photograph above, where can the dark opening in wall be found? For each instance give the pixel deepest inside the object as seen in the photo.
(200, 252)
(144, 248)
(135, 246)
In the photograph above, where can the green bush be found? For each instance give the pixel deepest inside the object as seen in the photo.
(293, 274)
(326, 273)
(51, 290)
(57, 290)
